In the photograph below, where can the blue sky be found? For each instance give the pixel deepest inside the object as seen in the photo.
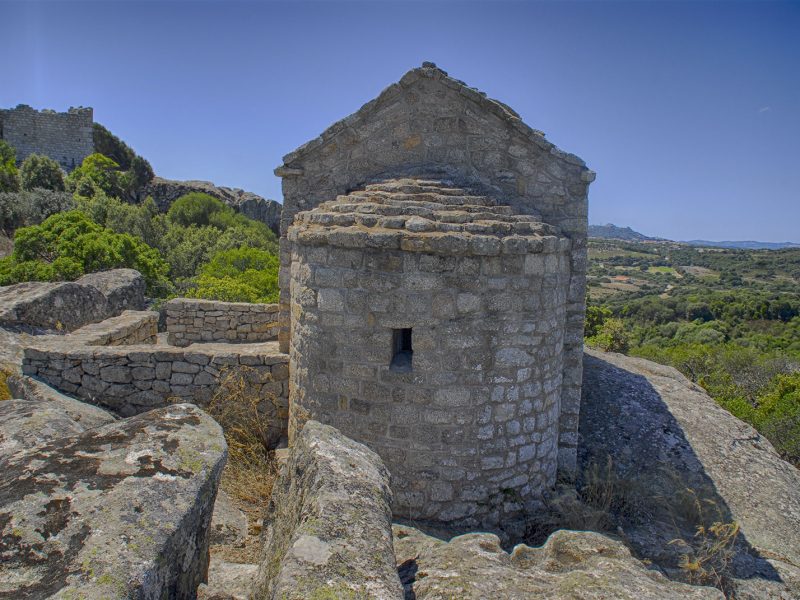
(688, 111)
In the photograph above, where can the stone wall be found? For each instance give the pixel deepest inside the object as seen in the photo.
(428, 121)
(117, 364)
(468, 424)
(189, 321)
(65, 137)
(327, 530)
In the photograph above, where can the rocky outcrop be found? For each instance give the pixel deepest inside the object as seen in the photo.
(327, 529)
(686, 461)
(228, 581)
(68, 305)
(123, 289)
(118, 511)
(575, 565)
(165, 191)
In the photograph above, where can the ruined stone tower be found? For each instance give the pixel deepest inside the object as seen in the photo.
(433, 257)
(65, 137)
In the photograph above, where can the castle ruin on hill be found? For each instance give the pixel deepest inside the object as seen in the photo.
(66, 137)
(433, 261)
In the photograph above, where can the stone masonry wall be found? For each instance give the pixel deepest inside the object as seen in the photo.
(429, 120)
(190, 320)
(478, 412)
(118, 365)
(65, 137)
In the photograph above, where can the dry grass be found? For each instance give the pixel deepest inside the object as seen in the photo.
(5, 393)
(707, 556)
(595, 505)
(251, 469)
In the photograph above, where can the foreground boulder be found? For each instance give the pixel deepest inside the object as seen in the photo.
(327, 530)
(682, 461)
(575, 565)
(118, 511)
(69, 305)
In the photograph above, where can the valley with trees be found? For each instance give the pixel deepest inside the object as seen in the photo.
(728, 319)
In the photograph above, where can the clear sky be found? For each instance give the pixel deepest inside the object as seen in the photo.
(688, 111)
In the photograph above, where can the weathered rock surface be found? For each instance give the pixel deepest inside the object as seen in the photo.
(668, 436)
(123, 289)
(327, 530)
(166, 191)
(71, 304)
(26, 424)
(229, 524)
(228, 581)
(571, 564)
(119, 511)
(86, 415)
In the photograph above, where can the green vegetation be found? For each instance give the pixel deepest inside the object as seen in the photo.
(41, 172)
(68, 245)
(9, 176)
(727, 319)
(200, 248)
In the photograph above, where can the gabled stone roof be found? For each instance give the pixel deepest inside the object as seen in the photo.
(428, 70)
(424, 215)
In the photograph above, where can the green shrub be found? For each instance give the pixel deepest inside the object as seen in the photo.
(238, 275)
(196, 209)
(39, 171)
(69, 244)
(97, 172)
(611, 337)
(9, 176)
(18, 209)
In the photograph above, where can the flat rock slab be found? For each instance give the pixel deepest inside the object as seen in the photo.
(229, 524)
(575, 565)
(678, 444)
(228, 581)
(118, 511)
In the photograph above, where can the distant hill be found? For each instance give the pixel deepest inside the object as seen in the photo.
(613, 232)
(745, 245)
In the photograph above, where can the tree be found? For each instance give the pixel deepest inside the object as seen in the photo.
(43, 172)
(18, 209)
(97, 172)
(109, 145)
(9, 176)
(611, 337)
(196, 208)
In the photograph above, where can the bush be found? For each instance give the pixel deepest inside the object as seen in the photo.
(196, 209)
(9, 176)
(611, 337)
(18, 209)
(39, 171)
(69, 244)
(109, 145)
(238, 275)
(97, 172)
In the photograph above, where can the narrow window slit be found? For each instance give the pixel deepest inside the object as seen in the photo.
(402, 350)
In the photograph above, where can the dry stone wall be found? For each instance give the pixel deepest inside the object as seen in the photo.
(189, 320)
(430, 121)
(65, 137)
(118, 364)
